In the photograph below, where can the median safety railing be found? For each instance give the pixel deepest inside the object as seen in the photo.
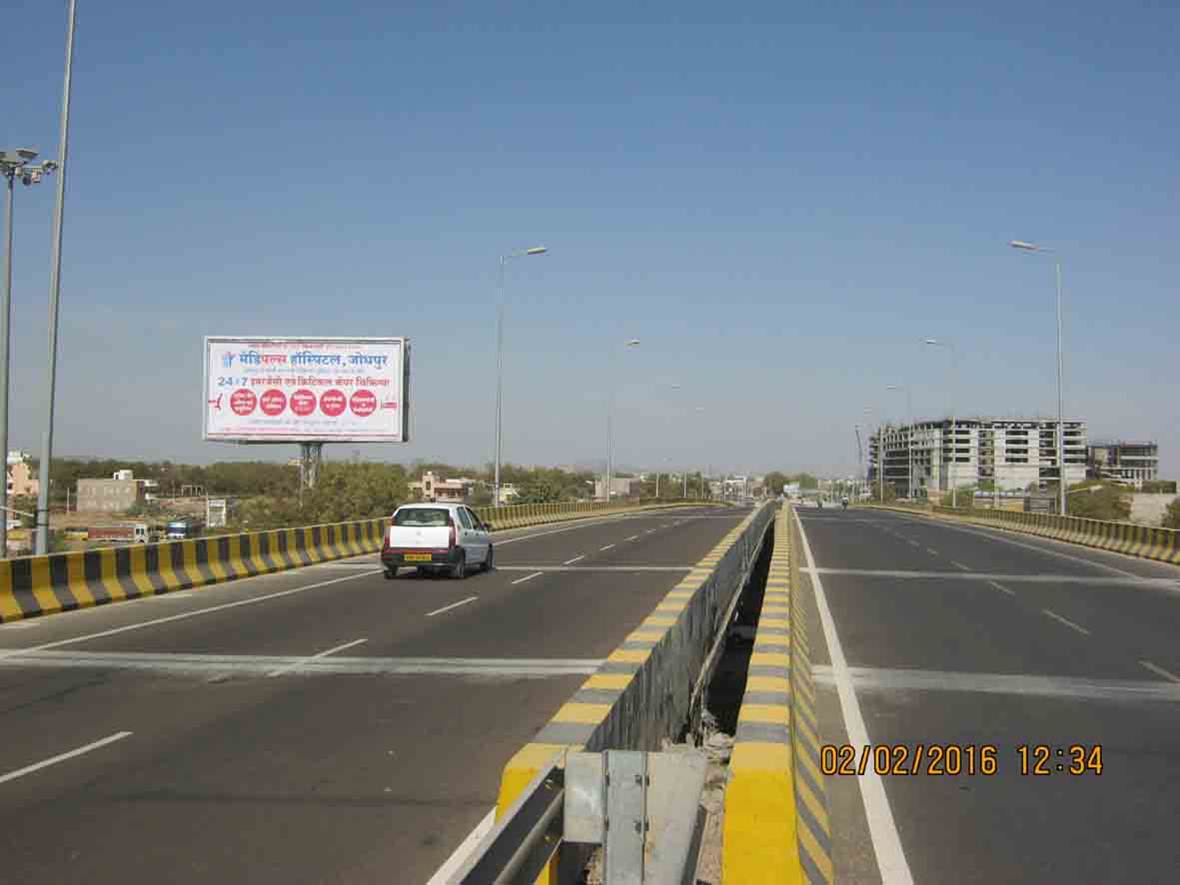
(643, 693)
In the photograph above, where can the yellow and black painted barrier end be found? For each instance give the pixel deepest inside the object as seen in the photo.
(776, 828)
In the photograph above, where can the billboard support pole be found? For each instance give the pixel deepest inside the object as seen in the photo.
(310, 456)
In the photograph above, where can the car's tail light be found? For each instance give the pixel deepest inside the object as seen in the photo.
(454, 539)
(385, 542)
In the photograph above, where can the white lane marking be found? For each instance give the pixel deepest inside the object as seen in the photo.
(999, 536)
(447, 608)
(261, 665)
(891, 862)
(323, 654)
(61, 757)
(910, 541)
(649, 531)
(575, 559)
(965, 568)
(582, 524)
(23, 625)
(932, 552)
(459, 856)
(1119, 690)
(1041, 578)
(607, 547)
(1160, 671)
(632, 538)
(527, 578)
(1066, 621)
(8, 653)
(1003, 588)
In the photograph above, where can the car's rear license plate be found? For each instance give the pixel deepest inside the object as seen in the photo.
(417, 557)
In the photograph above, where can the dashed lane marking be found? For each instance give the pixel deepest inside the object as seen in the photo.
(1159, 671)
(447, 608)
(317, 656)
(525, 578)
(575, 559)
(62, 757)
(1066, 621)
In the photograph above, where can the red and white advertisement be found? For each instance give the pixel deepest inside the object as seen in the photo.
(306, 389)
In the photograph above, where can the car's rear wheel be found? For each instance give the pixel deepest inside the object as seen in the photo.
(459, 569)
(488, 561)
(390, 574)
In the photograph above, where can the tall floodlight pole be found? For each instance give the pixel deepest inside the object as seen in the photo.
(936, 342)
(55, 295)
(909, 483)
(504, 259)
(610, 408)
(1032, 247)
(13, 164)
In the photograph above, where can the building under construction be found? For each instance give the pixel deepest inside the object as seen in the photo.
(941, 454)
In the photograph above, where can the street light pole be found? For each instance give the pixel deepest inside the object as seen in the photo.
(55, 294)
(610, 408)
(1032, 247)
(504, 259)
(12, 163)
(934, 342)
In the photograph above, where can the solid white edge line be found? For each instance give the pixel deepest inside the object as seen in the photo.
(527, 578)
(447, 608)
(61, 757)
(12, 652)
(458, 858)
(575, 559)
(317, 655)
(891, 862)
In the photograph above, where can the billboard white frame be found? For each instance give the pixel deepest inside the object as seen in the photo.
(255, 341)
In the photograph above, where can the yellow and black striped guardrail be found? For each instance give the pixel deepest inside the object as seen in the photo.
(643, 690)
(1146, 542)
(43, 585)
(776, 829)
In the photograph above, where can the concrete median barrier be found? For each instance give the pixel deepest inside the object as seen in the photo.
(645, 689)
(776, 829)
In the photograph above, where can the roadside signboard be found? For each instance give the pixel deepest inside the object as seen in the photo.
(284, 390)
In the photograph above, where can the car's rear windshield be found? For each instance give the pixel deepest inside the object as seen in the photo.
(427, 516)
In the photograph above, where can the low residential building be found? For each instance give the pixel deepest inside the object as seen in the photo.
(508, 493)
(434, 488)
(937, 455)
(1131, 463)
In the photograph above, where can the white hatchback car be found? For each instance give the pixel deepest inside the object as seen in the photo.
(448, 538)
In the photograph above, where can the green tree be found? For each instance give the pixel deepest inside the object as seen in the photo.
(805, 480)
(774, 482)
(1106, 502)
(1172, 515)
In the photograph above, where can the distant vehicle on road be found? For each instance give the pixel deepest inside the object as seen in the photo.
(134, 533)
(436, 538)
(180, 529)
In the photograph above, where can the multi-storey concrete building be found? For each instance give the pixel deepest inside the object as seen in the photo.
(1126, 462)
(938, 455)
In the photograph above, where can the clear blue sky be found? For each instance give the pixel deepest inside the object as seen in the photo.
(780, 203)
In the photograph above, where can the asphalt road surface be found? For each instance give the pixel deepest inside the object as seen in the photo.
(323, 725)
(925, 633)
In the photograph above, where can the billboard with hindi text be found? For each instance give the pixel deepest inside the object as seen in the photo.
(286, 390)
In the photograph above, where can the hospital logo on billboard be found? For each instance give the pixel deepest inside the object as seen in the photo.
(227, 360)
